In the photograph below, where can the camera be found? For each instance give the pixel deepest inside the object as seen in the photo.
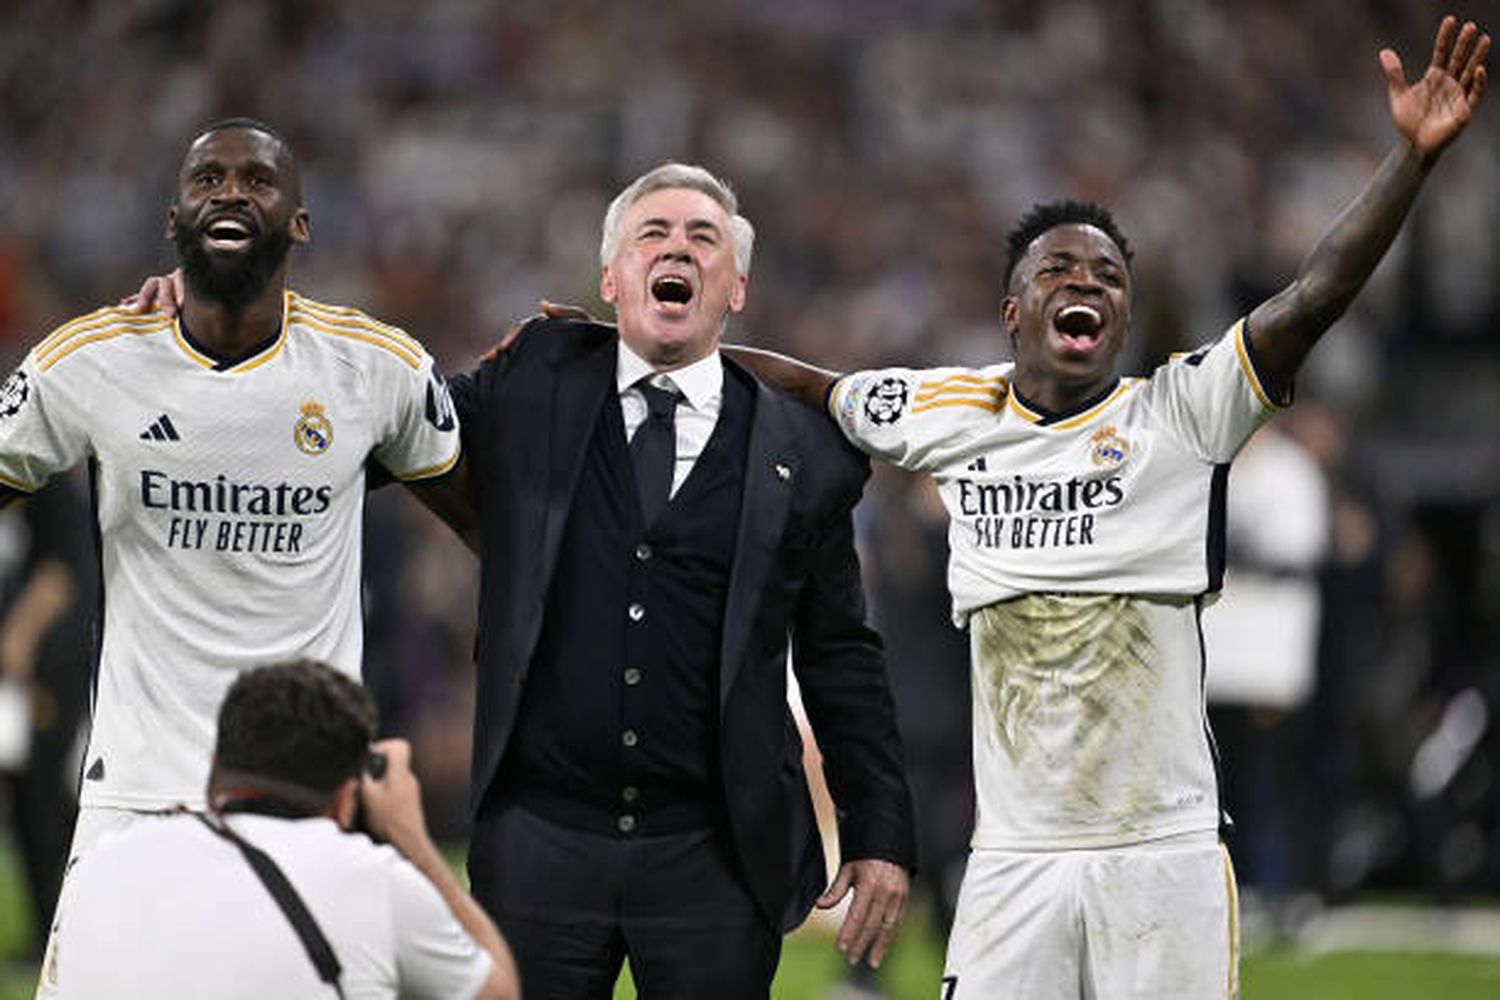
(375, 766)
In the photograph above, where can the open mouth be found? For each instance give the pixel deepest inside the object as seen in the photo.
(227, 233)
(670, 289)
(1078, 327)
(1078, 321)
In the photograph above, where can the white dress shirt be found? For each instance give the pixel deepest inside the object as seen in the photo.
(702, 386)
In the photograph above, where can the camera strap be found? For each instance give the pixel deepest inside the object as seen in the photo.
(286, 897)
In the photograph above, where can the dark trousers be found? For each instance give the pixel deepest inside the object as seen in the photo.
(573, 905)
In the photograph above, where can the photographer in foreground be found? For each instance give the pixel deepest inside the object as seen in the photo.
(272, 891)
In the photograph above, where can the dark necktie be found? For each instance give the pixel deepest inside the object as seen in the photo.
(654, 449)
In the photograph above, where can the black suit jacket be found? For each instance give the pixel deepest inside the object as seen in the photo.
(527, 416)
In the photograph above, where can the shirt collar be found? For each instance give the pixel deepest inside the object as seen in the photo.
(700, 382)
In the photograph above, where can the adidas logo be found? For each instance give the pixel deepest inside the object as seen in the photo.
(160, 429)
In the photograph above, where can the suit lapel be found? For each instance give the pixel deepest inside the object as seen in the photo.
(583, 384)
(771, 469)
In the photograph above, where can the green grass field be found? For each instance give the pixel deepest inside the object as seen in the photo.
(811, 968)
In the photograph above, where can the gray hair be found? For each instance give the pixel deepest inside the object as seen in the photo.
(679, 175)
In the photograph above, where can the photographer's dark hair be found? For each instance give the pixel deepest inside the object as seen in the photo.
(300, 723)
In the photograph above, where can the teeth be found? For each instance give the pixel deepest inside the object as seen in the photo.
(671, 288)
(1092, 314)
(1078, 320)
(228, 229)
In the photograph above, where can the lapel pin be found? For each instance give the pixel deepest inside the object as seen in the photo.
(782, 472)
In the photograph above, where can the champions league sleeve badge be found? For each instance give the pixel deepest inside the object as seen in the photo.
(886, 401)
(13, 394)
(313, 432)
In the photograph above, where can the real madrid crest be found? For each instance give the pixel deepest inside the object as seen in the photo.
(1109, 450)
(313, 432)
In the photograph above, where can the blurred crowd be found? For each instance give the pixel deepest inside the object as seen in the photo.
(457, 157)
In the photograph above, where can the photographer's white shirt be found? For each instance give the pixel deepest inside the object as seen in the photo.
(167, 908)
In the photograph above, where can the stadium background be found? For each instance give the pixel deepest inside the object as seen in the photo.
(457, 157)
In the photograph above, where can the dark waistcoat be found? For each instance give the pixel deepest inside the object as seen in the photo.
(617, 727)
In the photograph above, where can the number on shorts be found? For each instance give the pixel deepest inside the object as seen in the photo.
(950, 986)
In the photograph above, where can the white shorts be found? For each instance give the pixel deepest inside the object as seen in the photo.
(1158, 921)
(94, 822)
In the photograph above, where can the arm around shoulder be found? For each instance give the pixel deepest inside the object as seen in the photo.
(806, 382)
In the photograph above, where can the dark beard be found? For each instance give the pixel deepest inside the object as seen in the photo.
(232, 280)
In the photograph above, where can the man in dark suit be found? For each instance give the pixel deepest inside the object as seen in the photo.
(656, 526)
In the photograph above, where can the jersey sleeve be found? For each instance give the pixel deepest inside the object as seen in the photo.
(435, 957)
(917, 419)
(1213, 399)
(40, 430)
(422, 438)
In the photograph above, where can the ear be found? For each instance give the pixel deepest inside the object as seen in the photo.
(345, 804)
(171, 222)
(301, 227)
(1010, 313)
(737, 293)
(607, 290)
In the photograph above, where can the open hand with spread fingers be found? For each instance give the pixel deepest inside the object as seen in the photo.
(1431, 112)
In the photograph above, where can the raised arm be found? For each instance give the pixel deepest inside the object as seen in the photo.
(1429, 114)
(807, 382)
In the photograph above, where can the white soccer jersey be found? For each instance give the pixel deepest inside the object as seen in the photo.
(1080, 546)
(229, 504)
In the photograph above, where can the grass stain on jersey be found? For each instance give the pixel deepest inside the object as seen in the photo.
(1066, 676)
